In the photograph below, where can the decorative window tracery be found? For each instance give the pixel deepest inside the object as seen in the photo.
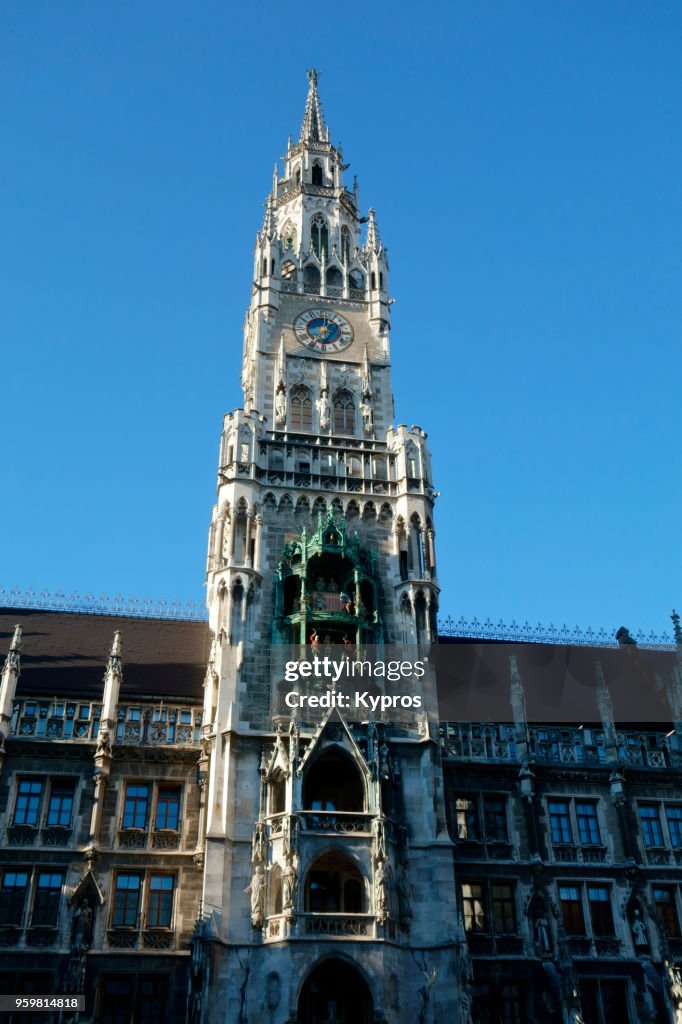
(319, 236)
(344, 413)
(301, 417)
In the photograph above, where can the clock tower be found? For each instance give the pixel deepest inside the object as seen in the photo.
(328, 889)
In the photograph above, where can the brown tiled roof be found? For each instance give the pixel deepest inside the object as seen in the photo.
(66, 653)
(559, 681)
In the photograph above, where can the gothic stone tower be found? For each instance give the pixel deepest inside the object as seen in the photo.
(328, 892)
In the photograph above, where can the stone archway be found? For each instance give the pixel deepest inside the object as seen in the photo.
(335, 993)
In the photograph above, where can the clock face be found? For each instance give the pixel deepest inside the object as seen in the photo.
(323, 330)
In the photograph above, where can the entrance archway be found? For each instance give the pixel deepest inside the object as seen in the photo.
(335, 993)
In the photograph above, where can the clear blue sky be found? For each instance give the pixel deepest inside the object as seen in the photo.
(524, 162)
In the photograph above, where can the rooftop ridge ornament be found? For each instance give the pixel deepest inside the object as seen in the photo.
(514, 632)
(677, 630)
(89, 604)
(313, 127)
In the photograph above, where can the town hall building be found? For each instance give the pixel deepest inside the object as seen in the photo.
(191, 834)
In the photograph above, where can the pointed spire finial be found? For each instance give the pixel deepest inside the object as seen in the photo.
(269, 226)
(14, 653)
(373, 240)
(313, 127)
(677, 630)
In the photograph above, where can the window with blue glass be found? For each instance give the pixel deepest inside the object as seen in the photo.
(29, 797)
(650, 820)
(168, 808)
(47, 898)
(13, 897)
(674, 815)
(60, 805)
(560, 822)
(127, 901)
(588, 823)
(136, 806)
(160, 901)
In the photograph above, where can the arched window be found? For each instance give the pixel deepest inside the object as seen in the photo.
(265, 268)
(319, 236)
(344, 414)
(316, 176)
(345, 245)
(334, 277)
(277, 795)
(381, 279)
(334, 885)
(373, 280)
(333, 783)
(311, 277)
(301, 417)
(297, 175)
(356, 280)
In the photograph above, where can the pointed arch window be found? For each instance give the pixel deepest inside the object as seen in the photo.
(344, 413)
(319, 236)
(301, 417)
(334, 884)
(316, 176)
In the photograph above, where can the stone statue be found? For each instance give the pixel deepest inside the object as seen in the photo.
(367, 416)
(289, 887)
(103, 741)
(257, 890)
(82, 928)
(543, 940)
(639, 931)
(381, 891)
(280, 407)
(379, 839)
(259, 843)
(323, 407)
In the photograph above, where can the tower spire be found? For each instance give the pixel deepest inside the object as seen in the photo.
(373, 239)
(313, 127)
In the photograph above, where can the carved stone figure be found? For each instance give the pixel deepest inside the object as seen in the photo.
(288, 887)
(367, 416)
(639, 931)
(543, 939)
(379, 839)
(280, 407)
(103, 741)
(259, 843)
(257, 890)
(381, 891)
(323, 407)
(82, 928)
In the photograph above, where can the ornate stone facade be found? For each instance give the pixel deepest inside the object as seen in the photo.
(179, 845)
